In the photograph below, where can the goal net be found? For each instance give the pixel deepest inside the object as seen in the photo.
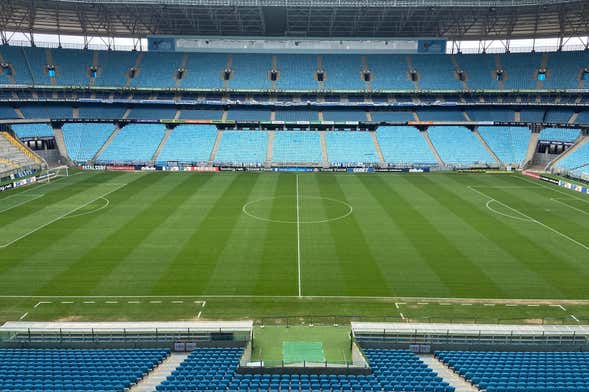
(53, 173)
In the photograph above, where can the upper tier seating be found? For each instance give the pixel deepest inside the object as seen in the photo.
(521, 371)
(491, 114)
(436, 72)
(404, 146)
(250, 71)
(210, 369)
(7, 112)
(583, 118)
(75, 370)
(440, 115)
(135, 143)
(83, 140)
(520, 70)
(342, 72)
(459, 146)
(510, 144)
(32, 130)
(350, 147)
(560, 134)
(157, 70)
(296, 147)
(577, 158)
(73, 66)
(561, 116)
(532, 115)
(189, 144)
(297, 72)
(248, 147)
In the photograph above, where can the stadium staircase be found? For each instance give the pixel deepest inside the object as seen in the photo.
(18, 146)
(489, 150)
(60, 141)
(324, 157)
(377, 147)
(159, 374)
(216, 146)
(531, 148)
(573, 118)
(114, 133)
(433, 148)
(157, 152)
(447, 374)
(269, 148)
(582, 140)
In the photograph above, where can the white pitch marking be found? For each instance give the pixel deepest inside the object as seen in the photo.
(488, 304)
(89, 302)
(510, 304)
(298, 239)
(570, 206)
(37, 186)
(177, 302)
(204, 303)
(402, 316)
(562, 307)
(488, 205)
(397, 305)
(92, 211)
(155, 302)
(199, 313)
(22, 202)
(532, 305)
(552, 189)
(24, 315)
(133, 302)
(112, 302)
(465, 304)
(445, 304)
(58, 218)
(574, 318)
(423, 303)
(534, 220)
(67, 302)
(41, 303)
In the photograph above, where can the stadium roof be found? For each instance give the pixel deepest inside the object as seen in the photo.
(452, 19)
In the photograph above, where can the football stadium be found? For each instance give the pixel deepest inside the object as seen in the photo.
(294, 195)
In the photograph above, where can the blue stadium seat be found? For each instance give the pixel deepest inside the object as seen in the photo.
(458, 146)
(350, 148)
(83, 140)
(32, 130)
(189, 144)
(510, 144)
(296, 147)
(404, 146)
(135, 143)
(242, 147)
(560, 134)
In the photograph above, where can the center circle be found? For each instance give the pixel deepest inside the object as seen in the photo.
(333, 209)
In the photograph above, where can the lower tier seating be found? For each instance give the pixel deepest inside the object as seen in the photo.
(189, 144)
(521, 371)
(560, 134)
(83, 140)
(13, 155)
(134, 143)
(296, 147)
(576, 159)
(214, 369)
(459, 146)
(510, 144)
(350, 147)
(247, 147)
(404, 146)
(32, 130)
(75, 370)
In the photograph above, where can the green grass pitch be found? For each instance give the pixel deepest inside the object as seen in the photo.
(135, 246)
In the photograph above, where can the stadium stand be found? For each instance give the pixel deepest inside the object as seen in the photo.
(242, 147)
(480, 69)
(114, 68)
(392, 116)
(296, 115)
(72, 66)
(576, 159)
(508, 143)
(32, 130)
(459, 146)
(521, 371)
(75, 369)
(561, 116)
(532, 115)
(350, 148)
(404, 146)
(7, 112)
(389, 72)
(157, 70)
(248, 115)
(203, 70)
(214, 369)
(200, 114)
(152, 112)
(106, 112)
(83, 140)
(520, 69)
(564, 69)
(46, 111)
(491, 114)
(583, 118)
(343, 72)
(250, 71)
(296, 147)
(296, 72)
(440, 115)
(344, 115)
(189, 144)
(560, 134)
(13, 155)
(135, 143)
(436, 72)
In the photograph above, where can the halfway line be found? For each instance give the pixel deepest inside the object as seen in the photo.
(298, 238)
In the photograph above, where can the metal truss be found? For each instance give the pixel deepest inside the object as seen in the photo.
(456, 20)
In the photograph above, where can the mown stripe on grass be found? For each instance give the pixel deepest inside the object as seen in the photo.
(200, 253)
(400, 241)
(459, 273)
(126, 232)
(361, 273)
(527, 251)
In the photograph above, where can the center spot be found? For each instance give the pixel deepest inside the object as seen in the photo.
(283, 209)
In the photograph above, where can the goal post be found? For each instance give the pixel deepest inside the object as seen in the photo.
(51, 173)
